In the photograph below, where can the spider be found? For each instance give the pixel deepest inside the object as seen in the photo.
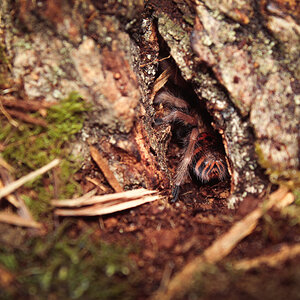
(204, 158)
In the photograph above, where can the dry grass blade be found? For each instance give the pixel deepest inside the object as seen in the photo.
(18, 183)
(104, 167)
(161, 81)
(11, 198)
(222, 246)
(97, 183)
(8, 116)
(14, 198)
(88, 200)
(14, 219)
(286, 201)
(6, 165)
(99, 209)
(71, 202)
(285, 253)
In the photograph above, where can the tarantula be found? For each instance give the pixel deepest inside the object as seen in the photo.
(204, 158)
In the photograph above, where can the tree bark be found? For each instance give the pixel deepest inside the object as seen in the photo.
(241, 58)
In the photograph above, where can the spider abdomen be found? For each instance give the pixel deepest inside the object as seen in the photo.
(208, 161)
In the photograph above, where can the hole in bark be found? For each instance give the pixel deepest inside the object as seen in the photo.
(194, 188)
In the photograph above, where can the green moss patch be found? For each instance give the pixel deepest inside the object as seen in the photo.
(289, 178)
(64, 264)
(68, 267)
(4, 65)
(30, 147)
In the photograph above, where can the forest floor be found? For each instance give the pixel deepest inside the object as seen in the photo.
(135, 253)
(171, 235)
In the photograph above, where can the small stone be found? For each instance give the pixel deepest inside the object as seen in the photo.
(111, 223)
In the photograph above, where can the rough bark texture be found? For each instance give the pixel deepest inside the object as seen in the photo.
(240, 57)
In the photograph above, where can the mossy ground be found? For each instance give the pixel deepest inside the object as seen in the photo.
(63, 266)
(76, 259)
(59, 265)
(29, 147)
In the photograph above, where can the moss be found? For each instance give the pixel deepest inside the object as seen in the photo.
(287, 177)
(292, 213)
(4, 65)
(30, 147)
(178, 41)
(69, 267)
(297, 196)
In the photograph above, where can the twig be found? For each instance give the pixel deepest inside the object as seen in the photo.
(6, 165)
(285, 253)
(18, 183)
(27, 118)
(14, 219)
(97, 183)
(23, 210)
(11, 198)
(98, 209)
(8, 117)
(104, 167)
(88, 200)
(221, 247)
(27, 105)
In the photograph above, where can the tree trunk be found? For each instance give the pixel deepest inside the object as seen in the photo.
(241, 58)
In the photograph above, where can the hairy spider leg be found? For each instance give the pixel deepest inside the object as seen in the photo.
(177, 115)
(186, 119)
(170, 100)
(183, 167)
(201, 151)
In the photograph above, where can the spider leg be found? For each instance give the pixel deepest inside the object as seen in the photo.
(184, 164)
(175, 193)
(177, 115)
(170, 100)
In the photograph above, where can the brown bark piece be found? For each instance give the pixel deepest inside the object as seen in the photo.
(104, 167)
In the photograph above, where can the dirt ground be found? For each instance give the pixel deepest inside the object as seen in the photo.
(172, 234)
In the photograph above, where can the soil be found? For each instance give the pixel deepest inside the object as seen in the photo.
(172, 234)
